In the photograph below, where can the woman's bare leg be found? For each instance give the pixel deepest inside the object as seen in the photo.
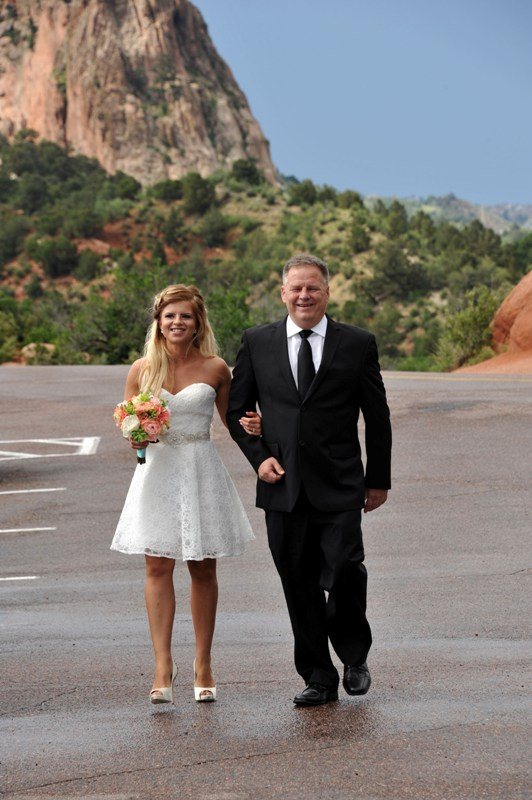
(203, 602)
(160, 604)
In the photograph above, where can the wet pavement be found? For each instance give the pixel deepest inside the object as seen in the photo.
(448, 559)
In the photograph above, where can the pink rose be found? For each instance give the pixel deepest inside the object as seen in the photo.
(143, 408)
(151, 427)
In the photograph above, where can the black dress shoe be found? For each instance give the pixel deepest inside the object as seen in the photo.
(315, 695)
(357, 680)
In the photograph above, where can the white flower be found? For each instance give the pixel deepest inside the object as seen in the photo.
(129, 424)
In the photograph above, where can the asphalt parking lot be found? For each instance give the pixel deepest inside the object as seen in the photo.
(448, 559)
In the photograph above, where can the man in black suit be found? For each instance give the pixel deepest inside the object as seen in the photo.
(311, 376)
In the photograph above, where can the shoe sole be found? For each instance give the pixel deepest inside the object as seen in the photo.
(358, 693)
(318, 703)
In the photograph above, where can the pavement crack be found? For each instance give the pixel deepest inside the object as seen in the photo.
(230, 759)
(37, 705)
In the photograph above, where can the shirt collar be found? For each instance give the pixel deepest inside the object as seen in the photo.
(292, 329)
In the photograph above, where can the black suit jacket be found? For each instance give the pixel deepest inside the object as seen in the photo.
(315, 440)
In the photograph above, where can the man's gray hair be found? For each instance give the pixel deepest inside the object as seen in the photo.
(306, 260)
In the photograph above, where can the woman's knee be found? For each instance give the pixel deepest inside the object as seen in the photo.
(203, 571)
(159, 567)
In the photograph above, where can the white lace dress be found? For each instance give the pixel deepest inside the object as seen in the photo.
(182, 503)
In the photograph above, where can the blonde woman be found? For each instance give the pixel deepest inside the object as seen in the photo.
(182, 503)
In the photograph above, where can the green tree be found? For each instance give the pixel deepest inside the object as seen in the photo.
(57, 256)
(12, 233)
(350, 199)
(32, 193)
(173, 228)
(359, 239)
(198, 194)
(396, 220)
(214, 227)
(466, 332)
(395, 276)
(167, 190)
(229, 315)
(89, 265)
(246, 171)
(8, 336)
(303, 193)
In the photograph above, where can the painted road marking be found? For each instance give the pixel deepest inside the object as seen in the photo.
(21, 578)
(84, 446)
(426, 376)
(30, 491)
(24, 530)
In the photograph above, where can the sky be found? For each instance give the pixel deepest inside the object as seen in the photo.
(388, 97)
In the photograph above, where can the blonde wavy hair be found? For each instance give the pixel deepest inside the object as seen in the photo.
(156, 356)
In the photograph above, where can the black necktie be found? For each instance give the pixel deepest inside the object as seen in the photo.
(305, 365)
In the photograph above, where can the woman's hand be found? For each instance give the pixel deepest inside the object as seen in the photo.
(139, 445)
(252, 423)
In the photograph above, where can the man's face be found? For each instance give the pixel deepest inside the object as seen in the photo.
(305, 295)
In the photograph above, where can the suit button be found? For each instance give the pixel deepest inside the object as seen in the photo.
(301, 443)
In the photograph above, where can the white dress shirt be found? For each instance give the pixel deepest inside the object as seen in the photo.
(316, 339)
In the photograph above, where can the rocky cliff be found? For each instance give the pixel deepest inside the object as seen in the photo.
(138, 84)
(512, 333)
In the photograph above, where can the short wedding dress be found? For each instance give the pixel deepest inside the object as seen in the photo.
(182, 503)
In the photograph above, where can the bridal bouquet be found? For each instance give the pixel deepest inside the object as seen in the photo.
(142, 418)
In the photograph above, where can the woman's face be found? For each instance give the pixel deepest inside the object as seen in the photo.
(178, 322)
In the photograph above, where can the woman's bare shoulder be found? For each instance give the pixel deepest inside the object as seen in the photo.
(138, 365)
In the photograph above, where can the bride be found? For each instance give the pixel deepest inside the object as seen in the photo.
(182, 503)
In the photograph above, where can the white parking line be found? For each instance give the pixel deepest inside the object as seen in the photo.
(30, 491)
(21, 578)
(24, 530)
(84, 446)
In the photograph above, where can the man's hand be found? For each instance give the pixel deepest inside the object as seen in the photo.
(374, 499)
(270, 471)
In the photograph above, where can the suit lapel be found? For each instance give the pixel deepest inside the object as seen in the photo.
(332, 338)
(280, 354)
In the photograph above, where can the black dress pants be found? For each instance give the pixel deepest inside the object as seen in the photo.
(317, 552)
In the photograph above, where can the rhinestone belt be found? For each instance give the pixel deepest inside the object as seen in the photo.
(174, 438)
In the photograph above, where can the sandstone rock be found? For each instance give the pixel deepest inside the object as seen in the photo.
(30, 350)
(138, 84)
(512, 324)
(512, 334)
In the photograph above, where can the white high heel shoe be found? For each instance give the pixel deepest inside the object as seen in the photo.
(203, 694)
(166, 693)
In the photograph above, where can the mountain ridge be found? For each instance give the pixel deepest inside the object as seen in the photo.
(138, 85)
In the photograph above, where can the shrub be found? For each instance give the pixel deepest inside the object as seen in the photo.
(466, 332)
(303, 193)
(8, 336)
(167, 190)
(57, 256)
(82, 222)
(173, 228)
(246, 171)
(89, 265)
(198, 194)
(12, 233)
(34, 288)
(350, 199)
(394, 275)
(213, 228)
(359, 239)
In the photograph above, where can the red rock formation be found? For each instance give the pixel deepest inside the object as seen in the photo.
(137, 84)
(512, 333)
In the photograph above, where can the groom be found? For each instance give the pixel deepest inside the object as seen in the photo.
(311, 376)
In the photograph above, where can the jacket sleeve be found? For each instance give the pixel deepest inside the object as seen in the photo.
(377, 421)
(243, 396)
